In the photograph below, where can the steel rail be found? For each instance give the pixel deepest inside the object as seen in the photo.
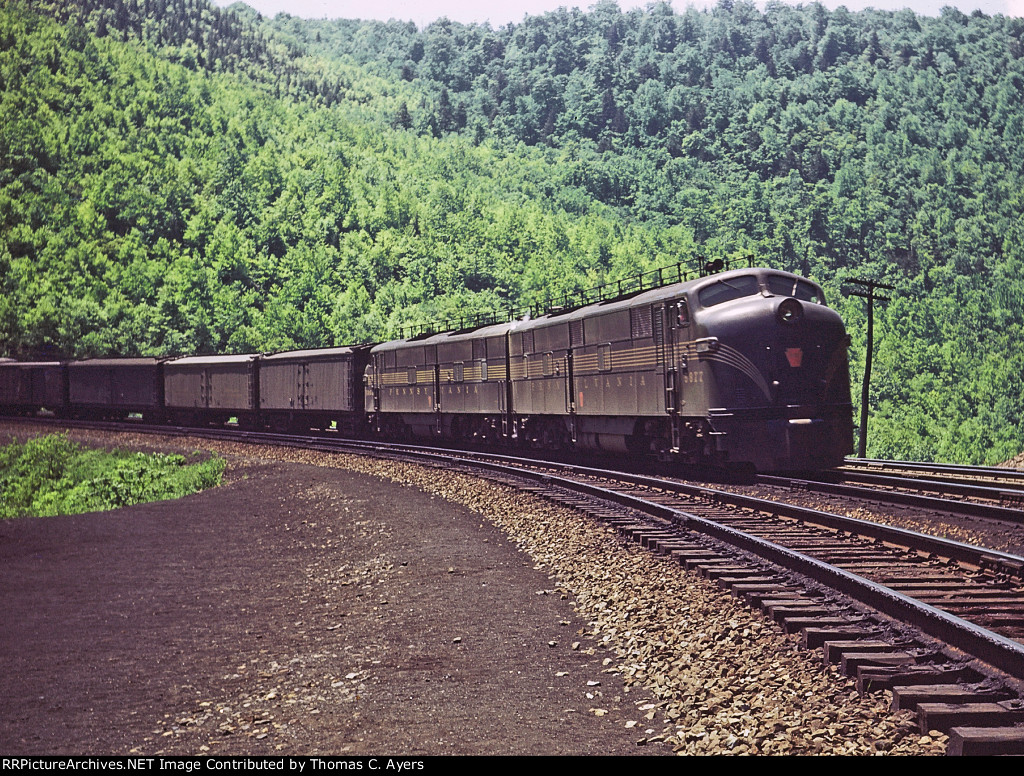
(960, 552)
(938, 484)
(932, 503)
(1000, 652)
(945, 548)
(993, 472)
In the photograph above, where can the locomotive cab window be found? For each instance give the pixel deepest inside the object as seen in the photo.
(723, 290)
(780, 285)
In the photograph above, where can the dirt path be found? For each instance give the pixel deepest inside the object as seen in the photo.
(298, 610)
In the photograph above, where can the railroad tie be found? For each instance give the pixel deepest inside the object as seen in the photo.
(875, 677)
(812, 638)
(969, 741)
(945, 716)
(908, 697)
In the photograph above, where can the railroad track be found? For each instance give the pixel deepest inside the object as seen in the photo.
(939, 623)
(958, 497)
(993, 475)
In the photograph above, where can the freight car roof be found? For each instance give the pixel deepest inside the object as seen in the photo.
(214, 360)
(116, 362)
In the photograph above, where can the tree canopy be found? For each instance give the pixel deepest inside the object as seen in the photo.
(180, 178)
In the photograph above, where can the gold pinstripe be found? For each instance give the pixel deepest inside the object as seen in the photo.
(639, 358)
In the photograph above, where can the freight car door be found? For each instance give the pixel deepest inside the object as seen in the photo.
(204, 388)
(301, 384)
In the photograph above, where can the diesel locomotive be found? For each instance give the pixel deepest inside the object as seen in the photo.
(745, 368)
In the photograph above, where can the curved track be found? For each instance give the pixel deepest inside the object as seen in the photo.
(940, 623)
(961, 495)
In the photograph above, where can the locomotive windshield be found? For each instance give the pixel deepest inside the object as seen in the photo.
(726, 290)
(780, 285)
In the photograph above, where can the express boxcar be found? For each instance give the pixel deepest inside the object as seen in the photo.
(26, 387)
(304, 389)
(113, 388)
(212, 389)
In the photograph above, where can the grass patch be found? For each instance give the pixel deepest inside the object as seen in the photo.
(52, 475)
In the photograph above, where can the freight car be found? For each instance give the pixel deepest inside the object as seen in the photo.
(26, 387)
(290, 390)
(747, 368)
(321, 388)
(114, 388)
(200, 390)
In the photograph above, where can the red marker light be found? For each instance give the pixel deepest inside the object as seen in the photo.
(795, 357)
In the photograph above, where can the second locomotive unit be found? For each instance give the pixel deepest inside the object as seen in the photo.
(745, 368)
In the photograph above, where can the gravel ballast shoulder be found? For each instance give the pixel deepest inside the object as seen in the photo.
(328, 604)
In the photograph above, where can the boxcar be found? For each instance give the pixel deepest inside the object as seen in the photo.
(26, 387)
(112, 388)
(304, 389)
(212, 389)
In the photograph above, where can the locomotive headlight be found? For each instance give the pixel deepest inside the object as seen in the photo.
(707, 345)
(790, 311)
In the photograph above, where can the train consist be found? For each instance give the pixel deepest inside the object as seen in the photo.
(744, 368)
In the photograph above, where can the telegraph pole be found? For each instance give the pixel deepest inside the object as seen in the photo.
(868, 292)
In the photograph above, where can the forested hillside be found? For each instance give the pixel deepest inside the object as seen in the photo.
(178, 178)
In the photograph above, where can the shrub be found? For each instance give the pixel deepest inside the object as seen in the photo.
(53, 476)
